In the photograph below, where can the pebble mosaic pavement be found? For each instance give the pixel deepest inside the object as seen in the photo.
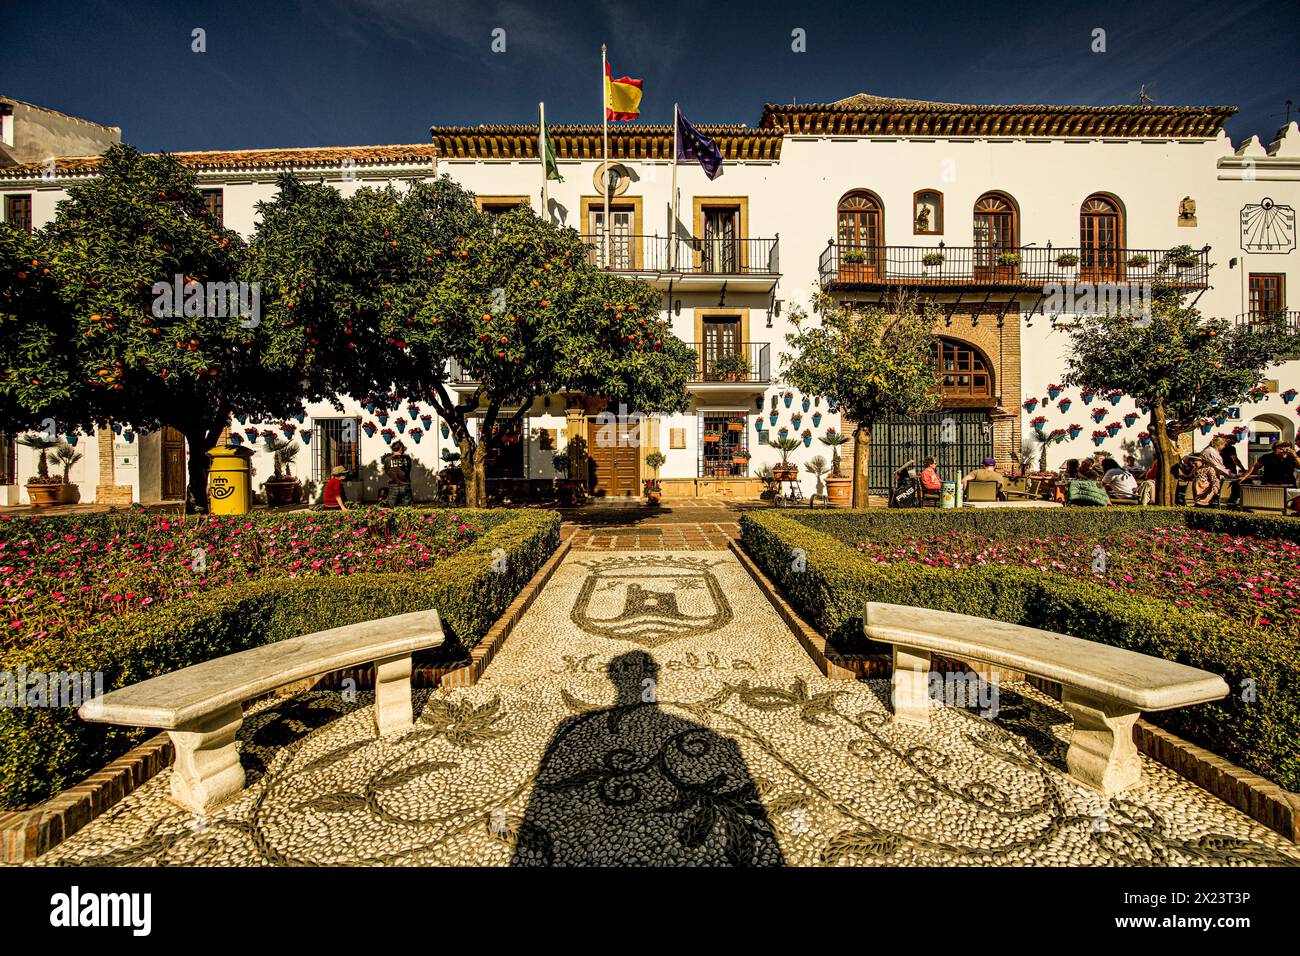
(653, 709)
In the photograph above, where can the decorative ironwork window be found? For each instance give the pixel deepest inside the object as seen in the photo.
(337, 441)
(963, 371)
(927, 212)
(721, 445)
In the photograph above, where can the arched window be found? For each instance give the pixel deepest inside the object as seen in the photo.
(860, 229)
(997, 231)
(1101, 238)
(963, 370)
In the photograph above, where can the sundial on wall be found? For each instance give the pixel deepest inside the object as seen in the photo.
(1267, 228)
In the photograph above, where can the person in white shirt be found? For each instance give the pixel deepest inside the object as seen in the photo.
(1118, 482)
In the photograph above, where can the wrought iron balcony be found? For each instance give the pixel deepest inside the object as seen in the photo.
(1025, 267)
(687, 256)
(724, 363)
(1280, 321)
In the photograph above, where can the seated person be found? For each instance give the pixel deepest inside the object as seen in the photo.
(930, 481)
(1085, 489)
(336, 496)
(1118, 482)
(985, 473)
(1133, 468)
(1278, 466)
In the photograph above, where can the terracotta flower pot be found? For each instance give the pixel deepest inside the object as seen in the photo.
(839, 492)
(44, 495)
(281, 492)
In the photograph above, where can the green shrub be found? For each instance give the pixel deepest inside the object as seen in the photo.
(836, 582)
(43, 750)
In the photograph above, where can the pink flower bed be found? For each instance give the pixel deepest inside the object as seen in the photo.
(1253, 581)
(57, 576)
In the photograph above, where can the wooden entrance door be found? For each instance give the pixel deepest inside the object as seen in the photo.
(861, 234)
(173, 464)
(1101, 237)
(613, 449)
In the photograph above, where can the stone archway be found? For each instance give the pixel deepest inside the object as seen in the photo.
(1263, 431)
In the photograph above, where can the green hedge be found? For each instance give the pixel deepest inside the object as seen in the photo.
(43, 750)
(837, 581)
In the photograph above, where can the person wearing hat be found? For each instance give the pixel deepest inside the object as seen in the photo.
(985, 473)
(336, 497)
(397, 465)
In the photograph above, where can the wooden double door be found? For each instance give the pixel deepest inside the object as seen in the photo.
(613, 452)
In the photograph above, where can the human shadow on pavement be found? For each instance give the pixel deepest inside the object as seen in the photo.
(634, 785)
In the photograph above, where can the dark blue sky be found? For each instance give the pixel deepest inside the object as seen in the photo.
(355, 72)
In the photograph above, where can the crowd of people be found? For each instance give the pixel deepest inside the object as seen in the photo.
(1101, 480)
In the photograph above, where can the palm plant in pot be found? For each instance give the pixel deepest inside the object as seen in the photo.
(282, 488)
(656, 461)
(67, 456)
(816, 466)
(43, 489)
(839, 488)
(785, 471)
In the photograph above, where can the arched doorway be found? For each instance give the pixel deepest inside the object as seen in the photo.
(1101, 238)
(1263, 431)
(997, 236)
(860, 231)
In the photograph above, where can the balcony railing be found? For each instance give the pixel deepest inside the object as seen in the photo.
(742, 362)
(1026, 267)
(1285, 322)
(693, 256)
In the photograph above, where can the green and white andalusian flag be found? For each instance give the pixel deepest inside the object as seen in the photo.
(548, 156)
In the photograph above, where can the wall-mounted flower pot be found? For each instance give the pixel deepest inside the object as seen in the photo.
(772, 417)
(806, 404)
(1087, 397)
(1052, 393)
(1063, 404)
(817, 419)
(796, 420)
(426, 421)
(305, 436)
(788, 398)
(383, 418)
(446, 431)
(1130, 419)
(1030, 404)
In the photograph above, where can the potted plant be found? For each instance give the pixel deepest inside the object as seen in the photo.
(1038, 421)
(853, 265)
(416, 434)
(1098, 436)
(1075, 430)
(1053, 391)
(1087, 396)
(788, 398)
(816, 466)
(1130, 419)
(731, 368)
(42, 488)
(1067, 260)
(1144, 439)
(1064, 404)
(282, 488)
(1030, 404)
(1289, 395)
(807, 404)
(1098, 414)
(67, 456)
(736, 423)
(1183, 257)
(1112, 429)
(796, 420)
(655, 460)
(932, 260)
(1139, 260)
(807, 437)
(839, 489)
(1007, 264)
(785, 471)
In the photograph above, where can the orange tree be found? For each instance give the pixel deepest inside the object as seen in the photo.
(871, 363)
(1181, 366)
(126, 346)
(399, 291)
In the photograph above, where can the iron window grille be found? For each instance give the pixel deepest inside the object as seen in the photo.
(337, 441)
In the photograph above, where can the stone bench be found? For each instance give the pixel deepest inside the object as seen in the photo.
(199, 706)
(1104, 689)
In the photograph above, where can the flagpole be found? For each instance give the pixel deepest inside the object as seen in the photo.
(541, 154)
(672, 225)
(604, 186)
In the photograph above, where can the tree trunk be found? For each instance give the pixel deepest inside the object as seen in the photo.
(1166, 486)
(197, 465)
(861, 459)
(474, 472)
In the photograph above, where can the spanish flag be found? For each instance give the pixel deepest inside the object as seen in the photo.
(622, 97)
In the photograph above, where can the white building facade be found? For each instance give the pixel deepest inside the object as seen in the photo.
(984, 210)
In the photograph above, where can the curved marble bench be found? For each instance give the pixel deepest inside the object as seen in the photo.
(1104, 689)
(199, 706)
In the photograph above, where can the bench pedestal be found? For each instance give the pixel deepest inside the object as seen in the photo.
(1102, 753)
(911, 685)
(206, 770)
(394, 711)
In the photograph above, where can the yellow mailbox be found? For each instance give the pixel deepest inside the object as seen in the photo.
(230, 481)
